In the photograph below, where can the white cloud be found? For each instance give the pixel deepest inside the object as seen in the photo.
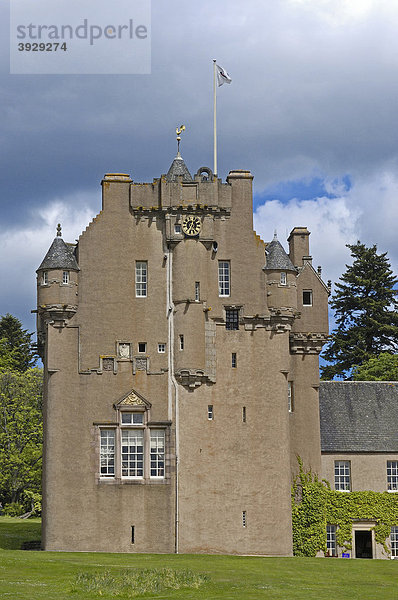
(367, 212)
(25, 248)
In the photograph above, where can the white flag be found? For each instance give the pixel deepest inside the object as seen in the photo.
(222, 76)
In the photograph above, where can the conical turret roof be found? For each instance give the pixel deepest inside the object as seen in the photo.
(178, 168)
(277, 259)
(59, 256)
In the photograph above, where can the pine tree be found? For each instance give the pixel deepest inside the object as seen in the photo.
(16, 351)
(366, 313)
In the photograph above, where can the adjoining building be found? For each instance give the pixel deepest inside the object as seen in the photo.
(181, 372)
(359, 443)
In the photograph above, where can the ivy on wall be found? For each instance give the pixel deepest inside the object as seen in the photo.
(315, 504)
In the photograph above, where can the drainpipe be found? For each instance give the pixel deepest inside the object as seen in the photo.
(172, 383)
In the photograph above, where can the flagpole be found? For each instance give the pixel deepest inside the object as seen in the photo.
(215, 118)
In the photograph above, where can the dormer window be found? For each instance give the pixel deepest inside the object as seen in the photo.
(283, 278)
(65, 276)
(44, 278)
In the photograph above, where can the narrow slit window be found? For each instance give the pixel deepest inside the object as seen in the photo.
(44, 278)
(181, 342)
(244, 519)
(65, 277)
(132, 534)
(210, 414)
(290, 396)
(234, 362)
(244, 414)
(197, 291)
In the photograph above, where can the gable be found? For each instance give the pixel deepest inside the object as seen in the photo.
(132, 398)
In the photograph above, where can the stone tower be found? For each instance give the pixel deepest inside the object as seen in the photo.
(181, 372)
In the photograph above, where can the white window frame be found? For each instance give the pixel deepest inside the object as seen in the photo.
(311, 297)
(141, 278)
(394, 541)
(131, 418)
(224, 278)
(107, 453)
(283, 278)
(177, 228)
(157, 455)
(44, 278)
(161, 348)
(181, 341)
(392, 475)
(342, 475)
(210, 412)
(331, 544)
(132, 460)
(244, 518)
(65, 277)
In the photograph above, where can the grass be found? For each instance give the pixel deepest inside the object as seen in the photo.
(33, 575)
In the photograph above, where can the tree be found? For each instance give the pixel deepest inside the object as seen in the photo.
(21, 435)
(366, 313)
(16, 349)
(381, 368)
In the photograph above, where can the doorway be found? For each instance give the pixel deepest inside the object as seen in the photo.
(363, 544)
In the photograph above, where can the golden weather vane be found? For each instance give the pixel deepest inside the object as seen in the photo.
(179, 131)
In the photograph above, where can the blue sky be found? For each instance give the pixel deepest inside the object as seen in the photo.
(311, 111)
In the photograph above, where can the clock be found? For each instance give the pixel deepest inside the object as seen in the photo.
(191, 225)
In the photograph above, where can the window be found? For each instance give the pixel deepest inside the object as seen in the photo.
(283, 278)
(210, 412)
(290, 396)
(392, 475)
(65, 277)
(132, 534)
(181, 338)
(231, 318)
(141, 279)
(342, 475)
(142, 347)
(224, 287)
(234, 362)
(177, 228)
(307, 297)
(244, 520)
(107, 453)
(132, 450)
(132, 453)
(157, 452)
(197, 291)
(161, 348)
(44, 278)
(394, 541)
(244, 414)
(331, 540)
(132, 418)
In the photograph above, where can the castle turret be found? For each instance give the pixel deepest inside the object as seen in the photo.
(57, 296)
(281, 277)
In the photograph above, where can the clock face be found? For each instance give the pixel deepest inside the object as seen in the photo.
(191, 225)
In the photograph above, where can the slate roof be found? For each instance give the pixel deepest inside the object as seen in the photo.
(59, 256)
(277, 258)
(359, 416)
(177, 168)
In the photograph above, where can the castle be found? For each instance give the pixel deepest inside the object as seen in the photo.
(181, 370)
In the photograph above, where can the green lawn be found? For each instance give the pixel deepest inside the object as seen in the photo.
(35, 575)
